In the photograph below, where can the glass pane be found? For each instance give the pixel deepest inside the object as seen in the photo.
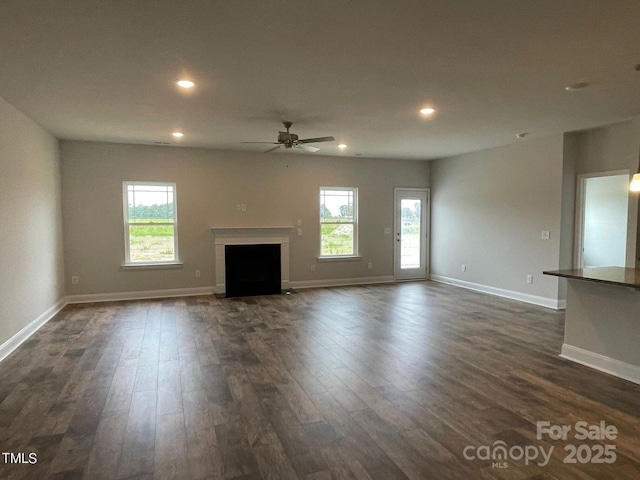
(150, 188)
(337, 239)
(336, 205)
(149, 203)
(151, 243)
(410, 233)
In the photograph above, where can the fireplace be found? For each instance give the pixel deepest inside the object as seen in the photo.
(252, 270)
(274, 237)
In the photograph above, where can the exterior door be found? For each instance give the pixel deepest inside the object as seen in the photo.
(411, 233)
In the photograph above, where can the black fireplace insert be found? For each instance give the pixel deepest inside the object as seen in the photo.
(252, 270)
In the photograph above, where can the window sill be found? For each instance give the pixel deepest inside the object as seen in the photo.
(344, 258)
(151, 266)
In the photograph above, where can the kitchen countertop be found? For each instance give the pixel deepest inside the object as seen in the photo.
(626, 277)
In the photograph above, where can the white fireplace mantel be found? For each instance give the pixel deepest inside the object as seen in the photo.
(251, 236)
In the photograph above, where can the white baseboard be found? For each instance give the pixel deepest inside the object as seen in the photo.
(600, 362)
(19, 338)
(140, 295)
(341, 282)
(500, 292)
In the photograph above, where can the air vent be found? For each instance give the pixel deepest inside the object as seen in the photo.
(162, 143)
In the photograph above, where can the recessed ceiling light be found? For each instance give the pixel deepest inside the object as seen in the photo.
(576, 86)
(178, 134)
(427, 111)
(186, 84)
(342, 146)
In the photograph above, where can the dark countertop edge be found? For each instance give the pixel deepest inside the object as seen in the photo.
(573, 276)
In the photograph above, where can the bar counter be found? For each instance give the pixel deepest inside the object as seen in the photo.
(602, 319)
(625, 277)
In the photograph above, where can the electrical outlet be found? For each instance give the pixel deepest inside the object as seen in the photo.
(243, 207)
(370, 265)
(464, 268)
(238, 206)
(545, 235)
(299, 231)
(197, 273)
(387, 230)
(313, 268)
(75, 280)
(529, 278)
(299, 222)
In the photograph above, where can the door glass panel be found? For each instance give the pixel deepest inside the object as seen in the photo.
(410, 213)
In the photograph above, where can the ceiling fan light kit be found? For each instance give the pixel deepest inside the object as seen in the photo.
(635, 181)
(291, 140)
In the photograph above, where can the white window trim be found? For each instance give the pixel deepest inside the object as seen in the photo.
(354, 255)
(125, 215)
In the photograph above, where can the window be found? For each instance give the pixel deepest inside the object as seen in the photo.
(150, 222)
(338, 222)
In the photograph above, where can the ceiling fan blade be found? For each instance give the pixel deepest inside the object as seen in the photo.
(271, 143)
(317, 140)
(272, 149)
(308, 148)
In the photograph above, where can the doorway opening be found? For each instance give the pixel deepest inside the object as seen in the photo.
(603, 203)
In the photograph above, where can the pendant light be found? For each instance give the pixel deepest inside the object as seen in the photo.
(635, 182)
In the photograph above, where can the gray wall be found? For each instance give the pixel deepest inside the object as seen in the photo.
(602, 321)
(278, 189)
(490, 206)
(612, 148)
(31, 265)
(568, 208)
(488, 211)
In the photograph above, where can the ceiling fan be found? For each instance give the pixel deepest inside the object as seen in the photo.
(291, 140)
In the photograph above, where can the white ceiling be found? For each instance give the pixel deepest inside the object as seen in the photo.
(355, 69)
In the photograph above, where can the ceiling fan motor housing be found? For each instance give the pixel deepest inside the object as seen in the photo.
(286, 137)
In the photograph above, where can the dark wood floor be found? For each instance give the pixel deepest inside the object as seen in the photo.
(379, 382)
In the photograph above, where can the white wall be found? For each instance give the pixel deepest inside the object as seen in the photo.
(488, 211)
(31, 265)
(278, 189)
